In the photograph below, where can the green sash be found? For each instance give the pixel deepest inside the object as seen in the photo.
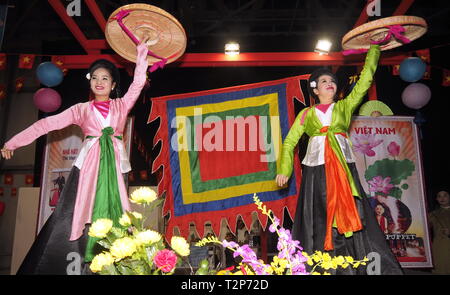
(107, 197)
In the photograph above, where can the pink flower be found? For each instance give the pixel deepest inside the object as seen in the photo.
(380, 184)
(165, 260)
(365, 144)
(393, 149)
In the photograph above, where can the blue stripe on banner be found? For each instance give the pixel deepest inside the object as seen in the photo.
(171, 106)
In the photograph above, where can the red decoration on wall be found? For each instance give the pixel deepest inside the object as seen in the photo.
(445, 78)
(29, 179)
(424, 54)
(9, 178)
(59, 62)
(2, 208)
(427, 74)
(2, 91)
(26, 61)
(2, 61)
(131, 177)
(396, 70)
(372, 93)
(2, 191)
(18, 84)
(13, 191)
(143, 174)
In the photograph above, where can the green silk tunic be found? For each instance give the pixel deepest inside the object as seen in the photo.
(341, 119)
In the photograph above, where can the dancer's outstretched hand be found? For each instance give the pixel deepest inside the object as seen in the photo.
(142, 51)
(281, 179)
(6, 153)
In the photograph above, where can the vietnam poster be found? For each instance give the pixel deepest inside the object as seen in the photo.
(388, 160)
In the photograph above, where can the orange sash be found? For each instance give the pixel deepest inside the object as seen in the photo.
(340, 201)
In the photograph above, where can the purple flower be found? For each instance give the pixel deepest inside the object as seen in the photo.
(246, 252)
(380, 184)
(230, 244)
(365, 143)
(298, 265)
(273, 227)
(285, 234)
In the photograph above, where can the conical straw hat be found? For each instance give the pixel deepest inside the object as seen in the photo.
(360, 37)
(166, 36)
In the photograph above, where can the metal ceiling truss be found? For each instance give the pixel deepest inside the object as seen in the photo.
(94, 47)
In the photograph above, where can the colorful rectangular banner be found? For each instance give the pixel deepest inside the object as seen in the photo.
(389, 163)
(219, 147)
(60, 152)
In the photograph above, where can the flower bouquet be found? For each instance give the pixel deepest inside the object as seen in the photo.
(133, 250)
(290, 260)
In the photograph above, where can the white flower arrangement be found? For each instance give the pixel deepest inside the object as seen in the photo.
(313, 84)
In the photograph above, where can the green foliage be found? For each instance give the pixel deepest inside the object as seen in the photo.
(396, 193)
(395, 169)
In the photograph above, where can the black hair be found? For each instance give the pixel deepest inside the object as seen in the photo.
(113, 71)
(315, 77)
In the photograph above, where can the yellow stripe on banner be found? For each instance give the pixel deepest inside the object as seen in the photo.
(254, 101)
(230, 192)
(182, 113)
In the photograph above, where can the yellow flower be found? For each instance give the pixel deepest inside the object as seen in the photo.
(148, 237)
(327, 265)
(268, 270)
(284, 263)
(137, 215)
(125, 220)
(279, 265)
(349, 259)
(100, 228)
(123, 247)
(101, 260)
(248, 271)
(143, 195)
(339, 260)
(180, 246)
(309, 261)
(326, 257)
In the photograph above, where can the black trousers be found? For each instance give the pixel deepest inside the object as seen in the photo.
(310, 225)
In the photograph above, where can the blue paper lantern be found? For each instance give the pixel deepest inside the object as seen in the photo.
(412, 69)
(49, 74)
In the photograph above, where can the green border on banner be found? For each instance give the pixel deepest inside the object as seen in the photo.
(199, 186)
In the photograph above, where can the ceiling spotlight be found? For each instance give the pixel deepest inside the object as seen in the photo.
(323, 46)
(232, 48)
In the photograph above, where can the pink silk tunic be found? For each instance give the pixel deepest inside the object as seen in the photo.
(83, 115)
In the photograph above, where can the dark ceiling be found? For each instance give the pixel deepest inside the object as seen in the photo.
(258, 25)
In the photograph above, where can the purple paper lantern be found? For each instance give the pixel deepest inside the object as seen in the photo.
(47, 100)
(416, 95)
